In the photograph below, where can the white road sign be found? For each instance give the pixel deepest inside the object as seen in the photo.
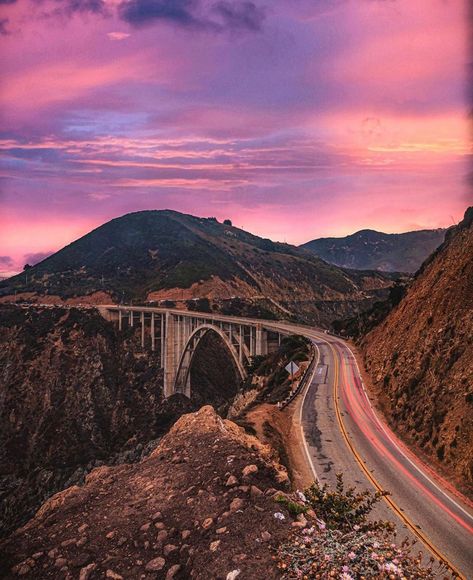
(292, 368)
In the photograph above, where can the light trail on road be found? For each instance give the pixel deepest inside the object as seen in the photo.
(425, 507)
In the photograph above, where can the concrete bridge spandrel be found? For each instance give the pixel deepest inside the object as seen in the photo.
(175, 334)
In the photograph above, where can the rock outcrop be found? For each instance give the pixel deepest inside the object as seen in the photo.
(420, 357)
(200, 506)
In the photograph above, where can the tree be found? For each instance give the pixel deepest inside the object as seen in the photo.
(227, 222)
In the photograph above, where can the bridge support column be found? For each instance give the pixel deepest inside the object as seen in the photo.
(171, 352)
(261, 347)
(161, 338)
(142, 329)
(153, 333)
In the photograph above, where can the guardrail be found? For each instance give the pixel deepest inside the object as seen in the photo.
(302, 383)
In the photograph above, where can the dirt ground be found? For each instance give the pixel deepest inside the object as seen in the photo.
(282, 430)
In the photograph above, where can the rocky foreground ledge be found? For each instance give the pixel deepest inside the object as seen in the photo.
(200, 506)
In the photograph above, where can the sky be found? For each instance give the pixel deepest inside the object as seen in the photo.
(295, 119)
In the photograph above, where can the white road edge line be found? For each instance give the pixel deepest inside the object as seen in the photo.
(309, 383)
(444, 493)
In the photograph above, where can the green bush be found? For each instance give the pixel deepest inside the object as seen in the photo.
(346, 544)
(292, 507)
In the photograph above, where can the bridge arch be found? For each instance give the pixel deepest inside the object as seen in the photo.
(182, 380)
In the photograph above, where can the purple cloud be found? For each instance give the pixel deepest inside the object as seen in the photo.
(237, 15)
(6, 261)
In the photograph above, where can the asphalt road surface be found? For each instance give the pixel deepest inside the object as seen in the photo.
(344, 434)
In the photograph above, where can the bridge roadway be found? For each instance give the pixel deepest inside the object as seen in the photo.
(343, 433)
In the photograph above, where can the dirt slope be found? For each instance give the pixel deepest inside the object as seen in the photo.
(421, 356)
(198, 507)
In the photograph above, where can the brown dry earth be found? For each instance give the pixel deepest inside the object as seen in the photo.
(420, 359)
(282, 431)
(200, 506)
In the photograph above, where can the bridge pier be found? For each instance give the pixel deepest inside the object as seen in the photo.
(179, 333)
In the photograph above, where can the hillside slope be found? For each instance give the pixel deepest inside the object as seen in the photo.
(166, 255)
(199, 507)
(420, 356)
(372, 250)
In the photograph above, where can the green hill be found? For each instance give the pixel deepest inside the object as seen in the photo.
(156, 255)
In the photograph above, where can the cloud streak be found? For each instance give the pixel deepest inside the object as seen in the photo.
(295, 119)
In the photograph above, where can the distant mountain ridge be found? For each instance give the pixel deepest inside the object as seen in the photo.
(167, 255)
(373, 250)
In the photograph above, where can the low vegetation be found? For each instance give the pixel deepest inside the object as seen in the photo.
(345, 543)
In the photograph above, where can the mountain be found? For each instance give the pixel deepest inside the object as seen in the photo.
(420, 356)
(372, 250)
(166, 255)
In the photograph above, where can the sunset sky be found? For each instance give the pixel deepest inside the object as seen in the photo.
(295, 118)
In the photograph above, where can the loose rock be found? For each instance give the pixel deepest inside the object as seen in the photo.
(207, 523)
(232, 480)
(155, 565)
(169, 548)
(249, 470)
(237, 504)
(113, 575)
(173, 570)
(85, 573)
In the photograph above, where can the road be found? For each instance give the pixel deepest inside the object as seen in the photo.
(343, 433)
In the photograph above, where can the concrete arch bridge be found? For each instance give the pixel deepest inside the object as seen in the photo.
(175, 334)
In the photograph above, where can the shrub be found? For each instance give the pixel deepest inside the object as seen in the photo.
(292, 507)
(342, 509)
(346, 544)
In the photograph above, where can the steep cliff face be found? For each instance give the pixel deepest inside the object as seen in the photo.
(421, 356)
(200, 506)
(74, 393)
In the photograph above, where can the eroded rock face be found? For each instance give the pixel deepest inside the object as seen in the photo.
(170, 514)
(420, 357)
(73, 393)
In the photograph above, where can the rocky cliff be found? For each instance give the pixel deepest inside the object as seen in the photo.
(200, 506)
(420, 356)
(74, 393)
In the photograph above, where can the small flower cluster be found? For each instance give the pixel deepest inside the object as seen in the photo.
(345, 544)
(321, 552)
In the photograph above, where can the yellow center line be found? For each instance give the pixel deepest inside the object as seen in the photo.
(428, 544)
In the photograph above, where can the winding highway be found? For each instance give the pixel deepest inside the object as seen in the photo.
(343, 433)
